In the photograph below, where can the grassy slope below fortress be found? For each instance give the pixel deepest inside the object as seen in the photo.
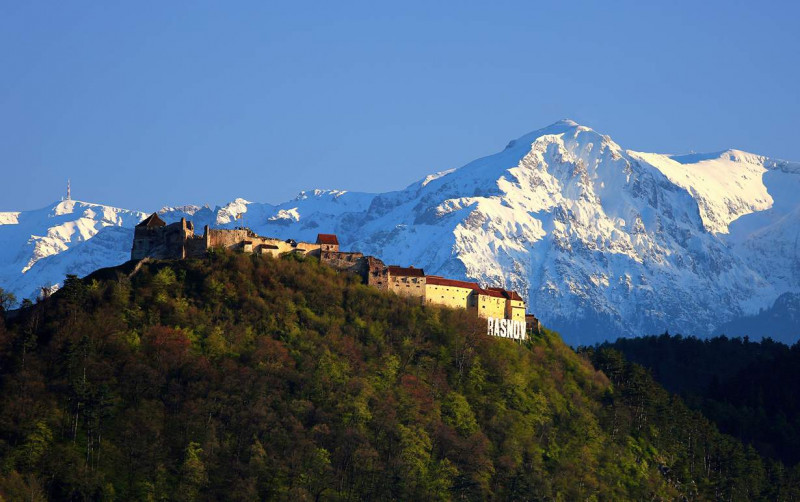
(245, 378)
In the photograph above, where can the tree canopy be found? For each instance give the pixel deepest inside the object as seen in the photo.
(249, 378)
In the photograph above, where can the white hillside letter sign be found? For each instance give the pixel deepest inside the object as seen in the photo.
(506, 328)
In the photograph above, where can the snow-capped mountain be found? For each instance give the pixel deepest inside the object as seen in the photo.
(602, 241)
(40, 247)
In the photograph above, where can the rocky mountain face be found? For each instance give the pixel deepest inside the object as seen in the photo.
(602, 241)
(38, 248)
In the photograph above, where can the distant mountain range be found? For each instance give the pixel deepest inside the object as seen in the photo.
(602, 241)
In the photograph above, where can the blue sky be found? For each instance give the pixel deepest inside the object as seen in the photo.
(145, 104)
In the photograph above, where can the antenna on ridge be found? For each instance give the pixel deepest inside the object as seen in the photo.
(69, 190)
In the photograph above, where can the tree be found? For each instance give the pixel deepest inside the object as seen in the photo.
(7, 300)
(193, 473)
(457, 414)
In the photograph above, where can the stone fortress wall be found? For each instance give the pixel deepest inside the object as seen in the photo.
(451, 293)
(155, 239)
(243, 239)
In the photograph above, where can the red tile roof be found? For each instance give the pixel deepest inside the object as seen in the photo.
(489, 292)
(514, 296)
(511, 295)
(152, 221)
(436, 280)
(406, 272)
(441, 281)
(329, 239)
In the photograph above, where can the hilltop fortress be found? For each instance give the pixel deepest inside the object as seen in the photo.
(154, 238)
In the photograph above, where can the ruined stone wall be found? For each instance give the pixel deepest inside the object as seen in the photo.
(195, 246)
(377, 273)
(266, 246)
(246, 241)
(277, 247)
(346, 262)
(162, 243)
(228, 239)
(532, 324)
(308, 248)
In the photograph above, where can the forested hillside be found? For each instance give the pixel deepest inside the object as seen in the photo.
(749, 389)
(247, 378)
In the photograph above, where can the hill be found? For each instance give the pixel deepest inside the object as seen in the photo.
(781, 322)
(749, 389)
(248, 378)
(601, 239)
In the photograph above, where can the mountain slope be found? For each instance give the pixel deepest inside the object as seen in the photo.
(742, 386)
(602, 239)
(598, 238)
(248, 378)
(40, 247)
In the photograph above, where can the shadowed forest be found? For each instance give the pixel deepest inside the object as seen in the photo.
(749, 389)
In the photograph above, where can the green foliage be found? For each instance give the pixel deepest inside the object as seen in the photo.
(7, 300)
(682, 442)
(248, 378)
(748, 389)
(193, 474)
(28, 454)
(457, 414)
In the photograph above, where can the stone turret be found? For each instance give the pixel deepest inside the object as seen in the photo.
(155, 239)
(328, 242)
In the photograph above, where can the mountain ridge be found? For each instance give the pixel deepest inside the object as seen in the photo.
(598, 237)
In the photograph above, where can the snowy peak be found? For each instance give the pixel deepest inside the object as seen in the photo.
(9, 217)
(231, 211)
(602, 240)
(318, 193)
(726, 185)
(567, 129)
(556, 128)
(32, 238)
(564, 141)
(188, 209)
